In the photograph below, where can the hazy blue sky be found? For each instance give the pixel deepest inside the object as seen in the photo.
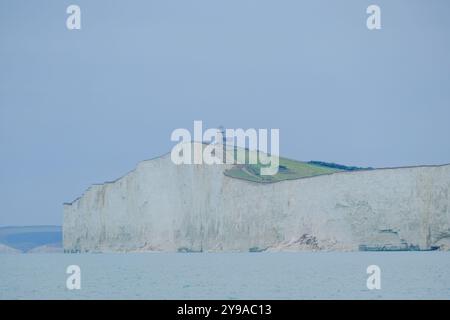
(82, 107)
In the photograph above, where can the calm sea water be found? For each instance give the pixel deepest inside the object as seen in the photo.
(404, 275)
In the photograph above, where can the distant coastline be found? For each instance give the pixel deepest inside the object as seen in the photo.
(31, 239)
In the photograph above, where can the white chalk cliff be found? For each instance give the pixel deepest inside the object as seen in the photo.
(7, 249)
(161, 206)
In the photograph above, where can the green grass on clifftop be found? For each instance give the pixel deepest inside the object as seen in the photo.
(288, 170)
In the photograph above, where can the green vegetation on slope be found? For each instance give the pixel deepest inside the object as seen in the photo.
(288, 170)
(29, 237)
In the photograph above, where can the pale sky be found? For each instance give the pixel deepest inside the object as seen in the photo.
(85, 106)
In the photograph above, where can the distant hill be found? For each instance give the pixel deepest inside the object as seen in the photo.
(31, 238)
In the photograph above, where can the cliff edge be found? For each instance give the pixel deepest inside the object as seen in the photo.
(161, 206)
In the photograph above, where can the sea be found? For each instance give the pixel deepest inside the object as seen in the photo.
(296, 275)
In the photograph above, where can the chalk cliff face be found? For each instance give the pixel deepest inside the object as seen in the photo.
(8, 249)
(166, 207)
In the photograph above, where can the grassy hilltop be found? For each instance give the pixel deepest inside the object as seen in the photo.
(288, 170)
